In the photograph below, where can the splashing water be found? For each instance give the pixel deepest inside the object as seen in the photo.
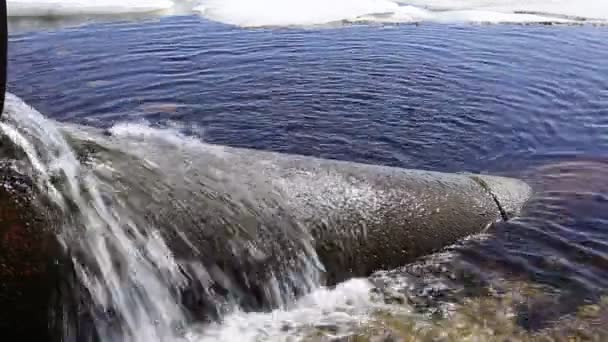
(342, 310)
(131, 273)
(135, 281)
(129, 269)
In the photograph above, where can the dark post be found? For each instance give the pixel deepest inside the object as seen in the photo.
(3, 49)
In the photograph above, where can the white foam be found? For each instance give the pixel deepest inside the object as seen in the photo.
(130, 269)
(344, 308)
(256, 13)
(53, 8)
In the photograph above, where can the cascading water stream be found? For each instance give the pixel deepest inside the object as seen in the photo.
(129, 270)
(133, 278)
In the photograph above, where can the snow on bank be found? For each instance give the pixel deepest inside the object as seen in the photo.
(291, 12)
(577, 9)
(255, 13)
(54, 8)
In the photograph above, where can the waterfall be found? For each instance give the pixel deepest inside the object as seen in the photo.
(128, 270)
(133, 278)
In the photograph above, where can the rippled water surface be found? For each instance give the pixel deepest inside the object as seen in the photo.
(525, 101)
(429, 96)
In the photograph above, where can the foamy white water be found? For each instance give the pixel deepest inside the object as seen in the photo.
(52, 8)
(129, 269)
(255, 13)
(342, 309)
(125, 264)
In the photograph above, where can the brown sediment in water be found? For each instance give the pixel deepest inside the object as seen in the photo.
(485, 318)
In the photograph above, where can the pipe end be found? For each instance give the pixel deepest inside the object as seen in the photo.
(510, 194)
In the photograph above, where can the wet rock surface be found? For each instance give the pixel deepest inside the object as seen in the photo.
(29, 260)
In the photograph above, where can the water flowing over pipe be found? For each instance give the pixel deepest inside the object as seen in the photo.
(148, 216)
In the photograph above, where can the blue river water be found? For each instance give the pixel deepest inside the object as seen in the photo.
(444, 97)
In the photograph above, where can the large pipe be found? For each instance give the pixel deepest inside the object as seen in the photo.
(246, 215)
(239, 211)
(361, 217)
